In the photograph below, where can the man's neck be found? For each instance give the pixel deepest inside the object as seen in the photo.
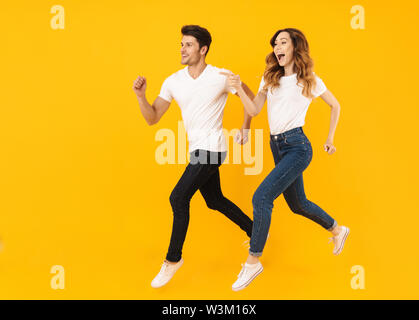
(195, 70)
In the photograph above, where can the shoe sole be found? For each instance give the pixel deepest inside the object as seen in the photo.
(343, 241)
(249, 281)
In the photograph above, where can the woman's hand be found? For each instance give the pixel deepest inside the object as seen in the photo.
(329, 147)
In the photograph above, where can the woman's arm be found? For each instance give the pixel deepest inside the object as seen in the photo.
(242, 135)
(252, 106)
(247, 118)
(330, 99)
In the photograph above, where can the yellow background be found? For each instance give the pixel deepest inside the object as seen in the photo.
(80, 186)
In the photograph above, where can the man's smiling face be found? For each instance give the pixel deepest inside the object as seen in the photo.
(190, 51)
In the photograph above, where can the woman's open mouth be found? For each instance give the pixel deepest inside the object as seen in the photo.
(280, 57)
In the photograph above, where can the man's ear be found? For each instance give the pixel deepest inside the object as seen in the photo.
(204, 50)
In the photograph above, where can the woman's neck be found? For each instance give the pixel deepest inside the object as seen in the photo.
(289, 69)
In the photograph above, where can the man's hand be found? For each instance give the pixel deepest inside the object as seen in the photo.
(242, 136)
(140, 84)
(233, 80)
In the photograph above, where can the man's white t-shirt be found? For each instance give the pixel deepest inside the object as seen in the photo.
(202, 102)
(287, 107)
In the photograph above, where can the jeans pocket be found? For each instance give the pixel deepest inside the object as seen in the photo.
(296, 139)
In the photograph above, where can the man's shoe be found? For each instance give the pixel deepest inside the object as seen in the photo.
(166, 273)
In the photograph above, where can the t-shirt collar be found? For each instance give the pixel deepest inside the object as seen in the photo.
(200, 76)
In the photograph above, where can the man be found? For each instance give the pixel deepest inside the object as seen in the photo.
(201, 92)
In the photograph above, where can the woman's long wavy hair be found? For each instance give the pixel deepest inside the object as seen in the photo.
(303, 64)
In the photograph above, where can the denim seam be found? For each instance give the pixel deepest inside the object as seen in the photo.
(255, 230)
(255, 254)
(303, 208)
(333, 225)
(263, 200)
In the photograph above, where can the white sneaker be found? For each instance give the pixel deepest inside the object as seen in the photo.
(339, 240)
(166, 273)
(246, 275)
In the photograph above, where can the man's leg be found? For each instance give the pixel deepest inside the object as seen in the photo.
(214, 198)
(194, 176)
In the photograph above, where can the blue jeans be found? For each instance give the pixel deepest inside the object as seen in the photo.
(292, 154)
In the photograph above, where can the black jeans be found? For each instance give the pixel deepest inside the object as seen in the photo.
(201, 174)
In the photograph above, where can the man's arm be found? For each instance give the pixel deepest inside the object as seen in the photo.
(151, 113)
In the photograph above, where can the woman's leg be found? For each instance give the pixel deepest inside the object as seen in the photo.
(292, 165)
(298, 203)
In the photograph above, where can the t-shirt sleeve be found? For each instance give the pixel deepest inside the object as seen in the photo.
(320, 87)
(227, 88)
(261, 85)
(165, 92)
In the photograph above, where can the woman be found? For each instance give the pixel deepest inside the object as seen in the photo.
(289, 84)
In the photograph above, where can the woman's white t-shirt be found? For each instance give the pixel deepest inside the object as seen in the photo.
(287, 107)
(202, 102)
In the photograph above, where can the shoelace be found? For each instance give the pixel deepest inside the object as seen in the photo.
(164, 267)
(242, 271)
(334, 237)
